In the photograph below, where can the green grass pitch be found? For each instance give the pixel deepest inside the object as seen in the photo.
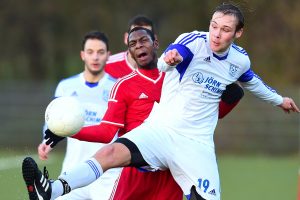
(243, 177)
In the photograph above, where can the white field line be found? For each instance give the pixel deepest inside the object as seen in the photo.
(13, 162)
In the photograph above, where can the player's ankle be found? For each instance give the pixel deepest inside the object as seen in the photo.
(59, 188)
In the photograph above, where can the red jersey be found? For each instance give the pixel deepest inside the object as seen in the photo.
(118, 66)
(132, 98)
(131, 101)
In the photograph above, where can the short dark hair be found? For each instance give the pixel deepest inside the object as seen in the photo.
(231, 9)
(149, 32)
(140, 20)
(95, 35)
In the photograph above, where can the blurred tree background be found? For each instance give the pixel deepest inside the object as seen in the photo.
(41, 41)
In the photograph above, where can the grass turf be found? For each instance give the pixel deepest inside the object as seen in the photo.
(243, 177)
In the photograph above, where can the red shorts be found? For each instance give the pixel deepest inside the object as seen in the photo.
(135, 184)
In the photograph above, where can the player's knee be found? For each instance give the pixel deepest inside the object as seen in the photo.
(106, 156)
(232, 94)
(194, 195)
(137, 159)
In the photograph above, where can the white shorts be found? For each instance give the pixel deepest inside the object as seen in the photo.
(190, 162)
(101, 189)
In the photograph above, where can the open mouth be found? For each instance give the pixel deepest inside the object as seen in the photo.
(141, 55)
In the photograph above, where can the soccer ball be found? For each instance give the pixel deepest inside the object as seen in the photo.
(64, 116)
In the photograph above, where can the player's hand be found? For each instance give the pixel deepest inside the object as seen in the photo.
(52, 139)
(289, 105)
(172, 57)
(43, 151)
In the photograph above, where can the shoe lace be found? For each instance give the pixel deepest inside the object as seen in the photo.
(46, 173)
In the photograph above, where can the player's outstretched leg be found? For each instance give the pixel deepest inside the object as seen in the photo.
(38, 185)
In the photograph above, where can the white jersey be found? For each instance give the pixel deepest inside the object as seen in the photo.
(94, 98)
(194, 87)
(184, 121)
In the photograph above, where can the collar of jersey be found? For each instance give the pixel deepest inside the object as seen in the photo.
(91, 85)
(152, 75)
(220, 57)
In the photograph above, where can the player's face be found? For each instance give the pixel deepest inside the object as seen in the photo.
(94, 55)
(143, 49)
(222, 32)
(133, 26)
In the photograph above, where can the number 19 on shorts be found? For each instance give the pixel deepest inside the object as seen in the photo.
(203, 183)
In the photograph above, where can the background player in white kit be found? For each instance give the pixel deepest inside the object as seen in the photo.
(91, 88)
(180, 139)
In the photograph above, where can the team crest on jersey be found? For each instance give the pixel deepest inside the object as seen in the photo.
(105, 95)
(198, 77)
(233, 70)
(74, 94)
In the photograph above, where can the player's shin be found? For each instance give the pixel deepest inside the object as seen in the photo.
(80, 176)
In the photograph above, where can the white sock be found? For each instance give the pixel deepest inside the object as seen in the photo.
(57, 189)
(81, 175)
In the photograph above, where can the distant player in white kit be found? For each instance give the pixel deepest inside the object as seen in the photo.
(91, 88)
(178, 134)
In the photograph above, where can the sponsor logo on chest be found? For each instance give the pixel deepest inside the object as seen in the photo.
(210, 82)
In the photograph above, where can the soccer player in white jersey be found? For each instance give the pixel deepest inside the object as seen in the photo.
(178, 134)
(91, 88)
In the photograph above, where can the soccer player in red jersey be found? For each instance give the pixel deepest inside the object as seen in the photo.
(130, 103)
(121, 64)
